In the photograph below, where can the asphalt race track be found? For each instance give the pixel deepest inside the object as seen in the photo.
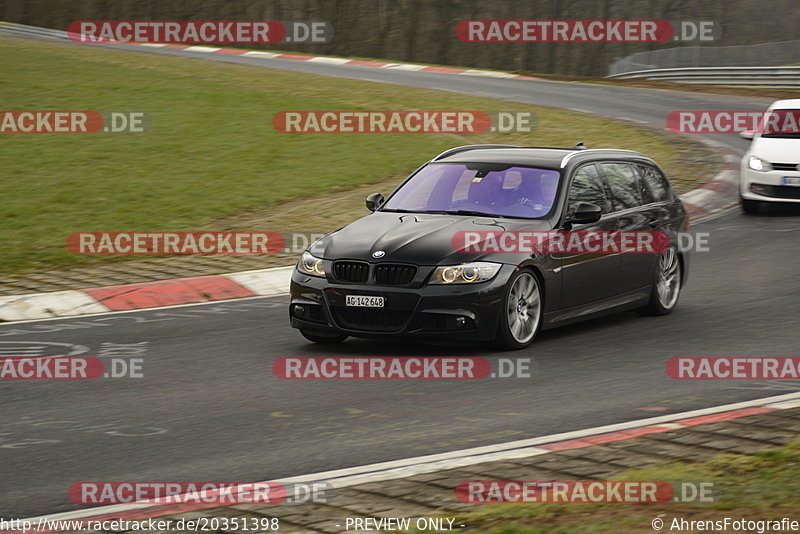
(209, 407)
(651, 106)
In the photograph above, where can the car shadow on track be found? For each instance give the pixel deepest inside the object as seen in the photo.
(778, 210)
(409, 346)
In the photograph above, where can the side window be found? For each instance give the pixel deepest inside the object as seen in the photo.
(623, 183)
(587, 186)
(656, 183)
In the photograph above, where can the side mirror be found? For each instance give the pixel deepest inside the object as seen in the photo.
(585, 212)
(747, 134)
(374, 201)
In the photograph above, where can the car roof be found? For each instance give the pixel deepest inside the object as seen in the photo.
(546, 157)
(786, 104)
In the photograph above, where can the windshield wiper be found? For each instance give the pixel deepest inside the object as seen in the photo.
(467, 212)
(449, 212)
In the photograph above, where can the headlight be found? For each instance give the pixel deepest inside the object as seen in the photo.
(466, 273)
(758, 164)
(311, 265)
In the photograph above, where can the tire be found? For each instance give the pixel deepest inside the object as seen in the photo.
(324, 339)
(751, 207)
(521, 312)
(667, 284)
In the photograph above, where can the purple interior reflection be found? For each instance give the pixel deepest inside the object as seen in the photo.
(513, 192)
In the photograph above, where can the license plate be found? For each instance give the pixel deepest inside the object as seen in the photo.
(791, 180)
(364, 302)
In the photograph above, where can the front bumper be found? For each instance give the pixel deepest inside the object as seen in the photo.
(459, 311)
(768, 186)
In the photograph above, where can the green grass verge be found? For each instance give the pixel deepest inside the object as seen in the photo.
(761, 486)
(212, 154)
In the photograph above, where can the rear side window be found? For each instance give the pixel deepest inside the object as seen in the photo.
(623, 182)
(656, 183)
(587, 186)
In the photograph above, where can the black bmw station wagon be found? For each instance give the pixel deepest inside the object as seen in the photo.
(401, 270)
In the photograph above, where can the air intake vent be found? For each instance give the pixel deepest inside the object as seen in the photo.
(369, 319)
(784, 166)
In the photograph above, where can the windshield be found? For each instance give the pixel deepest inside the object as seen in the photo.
(525, 192)
(782, 123)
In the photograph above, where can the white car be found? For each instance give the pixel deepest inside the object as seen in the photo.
(771, 166)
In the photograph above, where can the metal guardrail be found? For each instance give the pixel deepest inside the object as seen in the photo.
(772, 77)
(770, 54)
(23, 30)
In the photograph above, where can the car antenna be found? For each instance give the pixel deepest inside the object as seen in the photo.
(580, 146)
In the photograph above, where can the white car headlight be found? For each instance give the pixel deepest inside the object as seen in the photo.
(310, 265)
(466, 273)
(758, 164)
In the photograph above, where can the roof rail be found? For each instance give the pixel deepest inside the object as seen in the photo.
(566, 158)
(465, 148)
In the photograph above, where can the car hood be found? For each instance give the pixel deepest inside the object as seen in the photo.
(776, 150)
(419, 238)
